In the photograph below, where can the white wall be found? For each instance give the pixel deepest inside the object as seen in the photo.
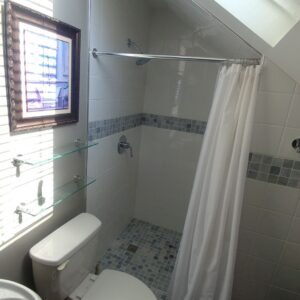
(284, 54)
(269, 246)
(14, 260)
(116, 89)
(116, 85)
(277, 122)
(268, 256)
(168, 158)
(167, 165)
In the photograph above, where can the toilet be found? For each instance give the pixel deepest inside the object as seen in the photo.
(63, 263)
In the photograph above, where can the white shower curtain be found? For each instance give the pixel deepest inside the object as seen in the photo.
(206, 258)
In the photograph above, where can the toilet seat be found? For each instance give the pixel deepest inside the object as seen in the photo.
(116, 285)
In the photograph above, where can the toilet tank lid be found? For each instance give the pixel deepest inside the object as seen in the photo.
(61, 244)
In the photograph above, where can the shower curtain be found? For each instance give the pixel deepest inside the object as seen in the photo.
(205, 262)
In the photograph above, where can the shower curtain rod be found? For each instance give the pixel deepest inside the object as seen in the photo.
(250, 61)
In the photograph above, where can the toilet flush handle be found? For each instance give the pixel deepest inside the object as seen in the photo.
(62, 266)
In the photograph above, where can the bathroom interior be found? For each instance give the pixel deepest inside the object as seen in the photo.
(141, 126)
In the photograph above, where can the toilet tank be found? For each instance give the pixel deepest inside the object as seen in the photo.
(63, 259)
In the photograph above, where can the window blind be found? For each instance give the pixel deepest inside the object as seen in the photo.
(14, 190)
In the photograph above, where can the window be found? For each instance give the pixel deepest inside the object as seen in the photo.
(13, 189)
(43, 57)
(271, 20)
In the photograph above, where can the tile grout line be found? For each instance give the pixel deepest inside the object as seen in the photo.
(287, 119)
(267, 168)
(277, 266)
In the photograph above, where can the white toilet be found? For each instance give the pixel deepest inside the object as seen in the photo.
(63, 261)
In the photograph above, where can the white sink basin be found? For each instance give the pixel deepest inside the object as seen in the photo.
(10, 290)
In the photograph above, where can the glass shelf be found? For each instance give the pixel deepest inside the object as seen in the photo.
(59, 195)
(47, 155)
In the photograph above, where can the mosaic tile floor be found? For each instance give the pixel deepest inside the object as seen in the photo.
(147, 252)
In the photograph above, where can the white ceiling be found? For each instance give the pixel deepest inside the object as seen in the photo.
(217, 39)
(285, 54)
(225, 36)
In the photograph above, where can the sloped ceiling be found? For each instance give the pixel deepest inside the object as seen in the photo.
(217, 39)
(286, 54)
(225, 36)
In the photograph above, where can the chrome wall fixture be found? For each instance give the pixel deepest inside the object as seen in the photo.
(143, 58)
(248, 61)
(296, 145)
(141, 61)
(124, 145)
(41, 199)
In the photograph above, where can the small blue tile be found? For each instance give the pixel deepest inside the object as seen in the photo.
(274, 170)
(154, 260)
(267, 159)
(296, 165)
(287, 163)
(282, 181)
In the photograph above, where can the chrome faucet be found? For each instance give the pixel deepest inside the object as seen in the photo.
(124, 145)
(41, 199)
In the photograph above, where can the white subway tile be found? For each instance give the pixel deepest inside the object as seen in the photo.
(281, 199)
(266, 139)
(286, 150)
(250, 217)
(167, 180)
(293, 119)
(287, 278)
(267, 248)
(274, 224)
(260, 270)
(241, 264)
(298, 210)
(273, 79)
(255, 192)
(280, 294)
(294, 234)
(246, 239)
(272, 108)
(291, 256)
(250, 289)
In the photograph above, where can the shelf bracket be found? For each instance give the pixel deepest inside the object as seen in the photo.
(17, 163)
(19, 212)
(77, 179)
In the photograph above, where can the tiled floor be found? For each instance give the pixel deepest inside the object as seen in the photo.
(147, 252)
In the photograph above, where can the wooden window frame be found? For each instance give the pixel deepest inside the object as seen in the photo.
(15, 13)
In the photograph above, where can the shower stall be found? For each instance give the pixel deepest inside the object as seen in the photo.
(161, 102)
(152, 78)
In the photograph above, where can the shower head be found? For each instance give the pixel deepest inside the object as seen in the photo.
(141, 61)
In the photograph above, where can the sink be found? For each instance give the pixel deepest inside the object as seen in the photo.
(10, 290)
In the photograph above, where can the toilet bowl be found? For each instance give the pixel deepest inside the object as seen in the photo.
(63, 263)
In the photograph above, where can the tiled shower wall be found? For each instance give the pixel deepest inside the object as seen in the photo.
(268, 254)
(116, 90)
(269, 246)
(179, 89)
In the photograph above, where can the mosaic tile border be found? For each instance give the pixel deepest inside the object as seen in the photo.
(103, 128)
(274, 170)
(173, 123)
(260, 167)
